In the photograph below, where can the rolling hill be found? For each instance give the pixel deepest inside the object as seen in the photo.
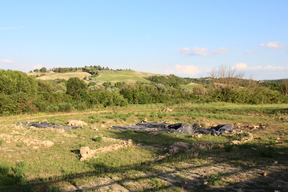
(113, 76)
(124, 76)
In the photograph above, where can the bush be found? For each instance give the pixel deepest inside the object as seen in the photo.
(52, 108)
(65, 107)
(98, 139)
(81, 106)
(5, 113)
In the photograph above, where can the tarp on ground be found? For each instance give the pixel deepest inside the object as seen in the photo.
(46, 125)
(182, 128)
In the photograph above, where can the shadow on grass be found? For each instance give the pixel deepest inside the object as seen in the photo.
(241, 158)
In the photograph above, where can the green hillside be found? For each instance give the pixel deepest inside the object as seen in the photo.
(123, 76)
(53, 76)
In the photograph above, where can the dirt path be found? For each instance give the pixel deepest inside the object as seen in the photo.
(64, 114)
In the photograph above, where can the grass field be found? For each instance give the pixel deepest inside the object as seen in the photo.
(259, 165)
(124, 76)
(190, 85)
(53, 76)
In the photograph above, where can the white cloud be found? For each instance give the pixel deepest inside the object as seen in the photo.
(273, 45)
(247, 52)
(243, 66)
(186, 69)
(269, 67)
(37, 66)
(256, 68)
(202, 51)
(6, 61)
(240, 66)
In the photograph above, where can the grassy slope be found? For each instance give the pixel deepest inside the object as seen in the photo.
(190, 85)
(66, 76)
(124, 76)
(119, 76)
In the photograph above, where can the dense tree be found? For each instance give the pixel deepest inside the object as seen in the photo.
(43, 69)
(75, 84)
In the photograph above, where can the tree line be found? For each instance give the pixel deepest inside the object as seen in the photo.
(20, 93)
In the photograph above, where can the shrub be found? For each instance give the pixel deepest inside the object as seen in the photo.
(81, 106)
(52, 108)
(75, 84)
(20, 145)
(98, 139)
(1, 142)
(5, 113)
(4, 170)
(65, 107)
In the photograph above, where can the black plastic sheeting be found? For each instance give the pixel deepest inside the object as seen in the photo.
(178, 128)
(46, 125)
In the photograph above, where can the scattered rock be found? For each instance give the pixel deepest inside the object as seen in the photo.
(152, 133)
(76, 123)
(167, 110)
(102, 125)
(243, 140)
(87, 153)
(265, 174)
(253, 148)
(275, 162)
(47, 143)
(181, 146)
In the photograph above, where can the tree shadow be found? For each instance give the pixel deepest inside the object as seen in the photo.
(240, 159)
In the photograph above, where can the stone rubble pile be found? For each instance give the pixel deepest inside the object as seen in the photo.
(87, 153)
(185, 147)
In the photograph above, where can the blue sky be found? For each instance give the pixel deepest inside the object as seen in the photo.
(186, 38)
